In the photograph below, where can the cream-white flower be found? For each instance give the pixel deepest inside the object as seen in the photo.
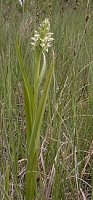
(43, 38)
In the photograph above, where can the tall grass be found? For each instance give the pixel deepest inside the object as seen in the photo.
(52, 161)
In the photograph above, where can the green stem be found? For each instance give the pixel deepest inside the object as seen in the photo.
(36, 78)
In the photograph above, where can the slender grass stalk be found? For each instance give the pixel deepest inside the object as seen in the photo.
(7, 179)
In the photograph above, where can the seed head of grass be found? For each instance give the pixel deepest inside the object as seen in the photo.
(43, 37)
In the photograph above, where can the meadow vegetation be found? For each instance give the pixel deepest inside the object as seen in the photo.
(46, 101)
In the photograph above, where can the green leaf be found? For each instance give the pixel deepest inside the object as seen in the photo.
(28, 96)
(42, 70)
(35, 136)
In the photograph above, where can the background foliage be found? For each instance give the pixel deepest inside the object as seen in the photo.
(65, 164)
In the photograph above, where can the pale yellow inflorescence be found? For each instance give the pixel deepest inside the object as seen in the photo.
(43, 37)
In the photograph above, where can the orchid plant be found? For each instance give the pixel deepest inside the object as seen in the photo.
(34, 103)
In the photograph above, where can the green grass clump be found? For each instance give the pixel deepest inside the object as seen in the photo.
(46, 107)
